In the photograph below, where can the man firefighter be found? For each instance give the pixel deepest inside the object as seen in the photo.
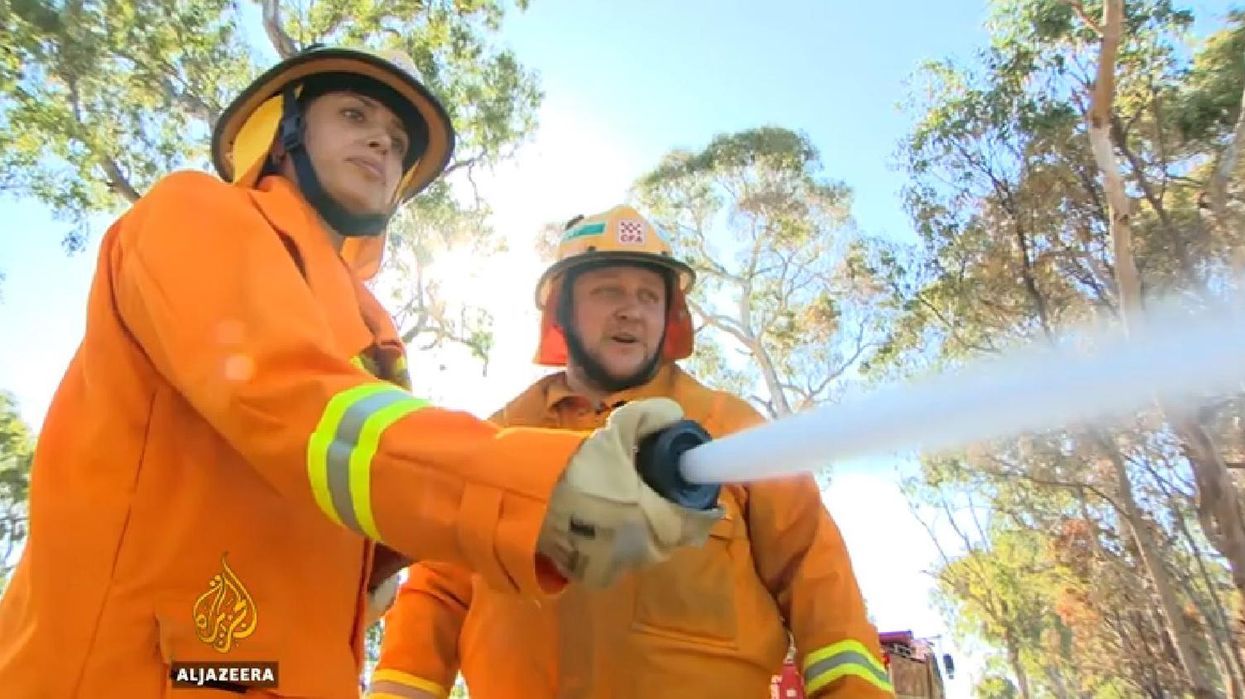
(232, 461)
(709, 622)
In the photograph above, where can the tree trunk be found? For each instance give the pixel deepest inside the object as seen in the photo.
(778, 397)
(281, 41)
(1216, 193)
(1219, 509)
(1013, 659)
(1058, 684)
(1169, 603)
(1221, 664)
(1225, 643)
(1218, 505)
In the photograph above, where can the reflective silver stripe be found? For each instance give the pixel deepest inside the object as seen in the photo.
(341, 448)
(844, 658)
(344, 442)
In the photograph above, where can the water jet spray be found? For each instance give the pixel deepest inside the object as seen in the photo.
(1179, 358)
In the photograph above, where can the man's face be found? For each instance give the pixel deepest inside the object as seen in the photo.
(356, 145)
(620, 314)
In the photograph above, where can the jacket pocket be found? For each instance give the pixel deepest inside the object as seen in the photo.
(692, 596)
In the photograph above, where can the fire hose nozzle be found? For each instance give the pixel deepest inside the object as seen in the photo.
(657, 459)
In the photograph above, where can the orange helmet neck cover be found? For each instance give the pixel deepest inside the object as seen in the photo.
(578, 355)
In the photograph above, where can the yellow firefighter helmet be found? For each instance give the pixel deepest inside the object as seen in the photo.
(622, 236)
(268, 110)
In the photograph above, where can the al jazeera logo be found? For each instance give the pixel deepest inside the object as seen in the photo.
(224, 615)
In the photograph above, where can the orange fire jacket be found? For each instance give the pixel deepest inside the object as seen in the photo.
(220, 459)
(707, 623)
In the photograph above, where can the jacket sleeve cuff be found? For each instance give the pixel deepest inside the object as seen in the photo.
(830, 669)
(509, 559)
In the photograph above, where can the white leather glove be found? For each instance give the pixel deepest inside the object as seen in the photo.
(382, 583)
(603, 520)
(379, 600)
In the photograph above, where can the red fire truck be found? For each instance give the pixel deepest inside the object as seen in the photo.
(913, 666)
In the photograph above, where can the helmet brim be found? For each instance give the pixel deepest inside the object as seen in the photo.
(684, 274)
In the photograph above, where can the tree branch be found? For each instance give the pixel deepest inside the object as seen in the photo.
(1217, 189)
(1019, 474)
(952, 330)
(1079, 7)
(1120, 207)
(724, 323)
(705, 261)
(1156, 203)
(281, 41)
(117, 181)
(1160, 140)
(184, 96)
(1030, 280)
(834, 373)
(416, 304)
(469, 162)
(929, 529)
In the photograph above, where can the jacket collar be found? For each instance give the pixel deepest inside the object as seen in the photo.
(283, 204)
(285, 208)
(661, 385)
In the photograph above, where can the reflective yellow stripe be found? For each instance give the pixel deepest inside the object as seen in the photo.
(850, 657)
(395, 683)
(845, 646)
(340, 451)
(360, 466)
(843, 671)
(322, 439)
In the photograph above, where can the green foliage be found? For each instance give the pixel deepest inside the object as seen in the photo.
(101, 99)
(1210, 96)
(784, 287)
(16, 452)
(98, 100)
(995, 687)
(1072, 547)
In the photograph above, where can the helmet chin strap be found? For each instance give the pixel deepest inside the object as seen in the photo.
(341, 220)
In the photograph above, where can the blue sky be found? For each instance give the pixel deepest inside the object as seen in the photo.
(625, 82)
(666, 75)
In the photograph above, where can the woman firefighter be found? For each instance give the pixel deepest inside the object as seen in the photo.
(234, 462)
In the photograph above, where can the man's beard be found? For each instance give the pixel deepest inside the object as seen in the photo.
(595, 373)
